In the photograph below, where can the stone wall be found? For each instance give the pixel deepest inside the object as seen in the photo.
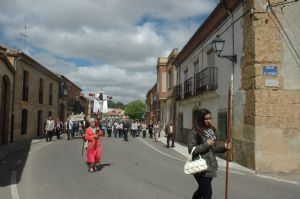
(270, 138)
(6, 74)
(32, 105)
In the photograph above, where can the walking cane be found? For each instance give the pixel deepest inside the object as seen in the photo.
(229, 111)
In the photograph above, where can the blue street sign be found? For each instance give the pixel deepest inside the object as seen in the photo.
(270, 70)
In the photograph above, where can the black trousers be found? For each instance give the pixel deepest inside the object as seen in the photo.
(109, 132)
(120, 133)
(144, 133)
(125, 134)
(204, 190)
(170, 137)
(49, 136)
(57, 134)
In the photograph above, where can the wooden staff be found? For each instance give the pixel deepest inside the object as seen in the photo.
(229, 111)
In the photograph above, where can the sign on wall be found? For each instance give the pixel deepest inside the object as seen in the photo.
(270, 70)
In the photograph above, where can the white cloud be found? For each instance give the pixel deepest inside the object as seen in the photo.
(121, 39)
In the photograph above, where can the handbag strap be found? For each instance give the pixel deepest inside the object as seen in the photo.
(191, 154)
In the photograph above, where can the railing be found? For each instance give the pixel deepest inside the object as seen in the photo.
(178, 91)
(206, 80)
(188, 87)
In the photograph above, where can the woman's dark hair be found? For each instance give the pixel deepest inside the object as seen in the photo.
(198, 119)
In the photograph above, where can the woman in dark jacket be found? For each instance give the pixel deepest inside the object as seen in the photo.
(203, 138)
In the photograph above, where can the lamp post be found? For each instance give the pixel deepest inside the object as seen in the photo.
(218, 45)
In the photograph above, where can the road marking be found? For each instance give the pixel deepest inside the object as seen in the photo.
(13, 185)
(278, 179)
(161, 151)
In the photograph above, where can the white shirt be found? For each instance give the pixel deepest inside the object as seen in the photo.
(49, 125)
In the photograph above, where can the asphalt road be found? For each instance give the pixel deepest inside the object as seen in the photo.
(139, 168)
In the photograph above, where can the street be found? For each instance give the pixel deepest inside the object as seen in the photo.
(140, 168)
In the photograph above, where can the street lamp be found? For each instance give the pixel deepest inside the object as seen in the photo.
(218, 45)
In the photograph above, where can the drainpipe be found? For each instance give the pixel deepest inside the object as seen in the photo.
(13, 103)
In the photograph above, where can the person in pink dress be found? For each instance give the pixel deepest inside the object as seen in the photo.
(93, 152)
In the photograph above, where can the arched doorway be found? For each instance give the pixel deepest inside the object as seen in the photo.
(4, 111)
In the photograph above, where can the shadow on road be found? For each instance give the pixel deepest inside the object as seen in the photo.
(101, 166)
(13, 158)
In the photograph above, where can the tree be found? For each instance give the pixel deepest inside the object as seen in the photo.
(135, 110)
(112, 104)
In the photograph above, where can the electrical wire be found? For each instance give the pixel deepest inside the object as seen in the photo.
(286, 36)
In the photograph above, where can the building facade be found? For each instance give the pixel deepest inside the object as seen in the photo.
(7, 73)
(69, 95)
(152, 106)
(35, 98)
(260, 60)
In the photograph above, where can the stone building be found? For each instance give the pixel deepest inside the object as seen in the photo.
(69, 94)
(7, 73)
(261, 57)
(35, 96)
(152, 105)
(166, 79)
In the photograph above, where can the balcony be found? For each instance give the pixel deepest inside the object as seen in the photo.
(206, 80)
(188, 87)
(177, 91)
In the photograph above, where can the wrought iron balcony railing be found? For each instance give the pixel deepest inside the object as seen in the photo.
(188, 87)
(206, 80)
(178, 91)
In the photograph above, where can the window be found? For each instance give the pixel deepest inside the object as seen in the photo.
(196, 67)
(41, 94)
(50, 93)
(25, 85)
(169, 80)
(186, 74)
(222, 125)
(211, 58)
(24, 122)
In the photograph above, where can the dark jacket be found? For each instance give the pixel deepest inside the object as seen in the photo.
(207, 152)
(167, 130)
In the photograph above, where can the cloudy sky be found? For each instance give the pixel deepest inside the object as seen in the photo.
(109, 45)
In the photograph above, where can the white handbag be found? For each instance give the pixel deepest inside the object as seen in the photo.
(196, 166)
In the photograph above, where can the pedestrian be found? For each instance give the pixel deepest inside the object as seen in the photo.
(49, 128)
(134, 129)
(144, 129)
(150, 128)
(109, 128)
(93, 152)
(203, 138)
(120, 129)
(80, 128)
(156, 130)
(126, 127)
(170, 133)
(57, 128)
(115, 129)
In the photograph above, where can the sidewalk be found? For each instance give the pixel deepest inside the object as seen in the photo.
(293, 178)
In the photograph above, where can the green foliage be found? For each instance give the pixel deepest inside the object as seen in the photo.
(112, 104)
(135, 110)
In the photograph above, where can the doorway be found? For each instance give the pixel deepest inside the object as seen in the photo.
(4, 111)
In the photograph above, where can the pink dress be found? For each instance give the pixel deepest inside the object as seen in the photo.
(93, 152)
